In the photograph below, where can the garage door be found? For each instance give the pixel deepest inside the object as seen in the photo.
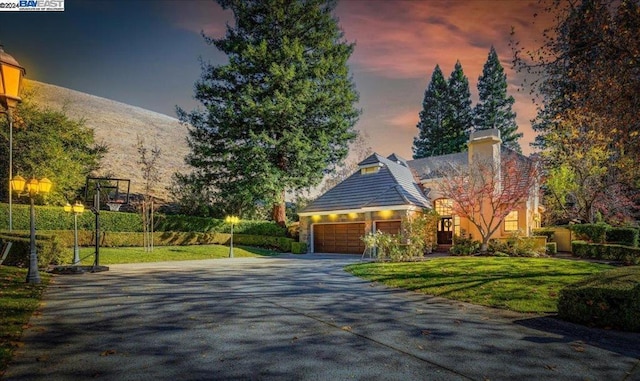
(390, 227)
(338, 238)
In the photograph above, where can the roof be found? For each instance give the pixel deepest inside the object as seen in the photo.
(392, 185)
(432, 167)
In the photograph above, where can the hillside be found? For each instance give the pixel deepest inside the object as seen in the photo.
(118, 125)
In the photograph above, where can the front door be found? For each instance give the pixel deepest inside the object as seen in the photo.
(445, 231)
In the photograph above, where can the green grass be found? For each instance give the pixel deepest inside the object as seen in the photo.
(517, 284)
(116, 255)
(18, 300)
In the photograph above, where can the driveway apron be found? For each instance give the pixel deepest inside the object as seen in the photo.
(294, 318)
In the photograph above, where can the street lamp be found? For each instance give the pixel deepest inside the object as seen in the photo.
(76, 209)
(233, 220)
(31, 188)
(11, 74)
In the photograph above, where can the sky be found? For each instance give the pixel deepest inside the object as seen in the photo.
(148, 53)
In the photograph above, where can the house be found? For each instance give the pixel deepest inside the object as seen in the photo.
(387, 190)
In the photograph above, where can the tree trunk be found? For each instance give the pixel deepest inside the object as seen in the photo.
(279, 213)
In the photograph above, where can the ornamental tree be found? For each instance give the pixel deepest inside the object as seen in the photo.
(280, 113)
(485, 191)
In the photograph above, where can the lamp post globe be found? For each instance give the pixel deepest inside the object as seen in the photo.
(11, 74)
(31, 188)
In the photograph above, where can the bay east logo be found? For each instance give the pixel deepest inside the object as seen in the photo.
(41, 5)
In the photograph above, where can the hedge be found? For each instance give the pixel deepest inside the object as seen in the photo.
(55, 218)
(48, 247)
(298, 247)
(591, 232)
(610, 299)
(626, 254)
(552, 248)
(623, 236)
(211, 225)
(547, 232)
(128, 239)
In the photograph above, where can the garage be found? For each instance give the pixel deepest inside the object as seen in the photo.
(389, 227)
(338, 238)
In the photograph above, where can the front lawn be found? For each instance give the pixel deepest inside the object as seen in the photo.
(115, 255)
(517, 284)
(18, 300)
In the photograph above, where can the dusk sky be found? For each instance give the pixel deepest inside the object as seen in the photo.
(146, 52)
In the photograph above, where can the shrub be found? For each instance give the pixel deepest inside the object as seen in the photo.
(48, 247)
(547, 232)
(298, 247)
(623, 236)
(518, 246)
(591, 232)
(463, 245)
(609, 299)
(180, 223)
(626, 254)
(552, 248)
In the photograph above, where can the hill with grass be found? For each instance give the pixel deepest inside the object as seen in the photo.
(118, 125)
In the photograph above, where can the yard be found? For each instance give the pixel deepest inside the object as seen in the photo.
(517, 284)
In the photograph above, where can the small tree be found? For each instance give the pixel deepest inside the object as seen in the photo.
(149, 165)
(420, 232)
(485, 191)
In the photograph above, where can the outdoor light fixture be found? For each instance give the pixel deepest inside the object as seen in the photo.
(11, 74)
(76, 209)
(233, 220)
(31, 188)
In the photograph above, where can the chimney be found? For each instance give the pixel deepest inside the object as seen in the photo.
(485, 145)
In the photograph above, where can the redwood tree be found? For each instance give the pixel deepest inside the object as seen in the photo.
(280, 113)
(484, 192)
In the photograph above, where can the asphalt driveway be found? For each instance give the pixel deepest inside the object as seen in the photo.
(294, 318)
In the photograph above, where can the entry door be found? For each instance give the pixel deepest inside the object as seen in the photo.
(445, 231)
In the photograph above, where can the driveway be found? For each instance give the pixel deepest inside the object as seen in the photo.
(295, 318)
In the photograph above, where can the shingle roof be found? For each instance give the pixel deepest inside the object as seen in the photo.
(392, 185)
(432, 167)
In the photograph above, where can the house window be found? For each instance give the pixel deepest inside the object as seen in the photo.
(511, 221)
(369, 170)
(456, 225)
(444, 206)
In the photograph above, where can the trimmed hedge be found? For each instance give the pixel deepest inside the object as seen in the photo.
(547, 232)
(610, 299)
(623, 236)
(48, 247)
(128, 239)
(298, 248)
(55, 218)
(211, 225)
(626, 254)
(591, 232)
(552, 248)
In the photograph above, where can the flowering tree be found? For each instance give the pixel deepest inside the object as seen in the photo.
(485, 191)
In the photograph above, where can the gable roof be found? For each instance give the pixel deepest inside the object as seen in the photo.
(392, 185)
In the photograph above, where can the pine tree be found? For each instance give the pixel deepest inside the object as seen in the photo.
(460, 116)
(280, 113)
(494, 107)
(432, 124)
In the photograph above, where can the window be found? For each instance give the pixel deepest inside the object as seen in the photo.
(456, 225)
(444, 206)
(369, 170)
(511, 221)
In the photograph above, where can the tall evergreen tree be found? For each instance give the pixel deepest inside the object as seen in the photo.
(432, 124)
(460, 117)
(494, 106)
(280, 113)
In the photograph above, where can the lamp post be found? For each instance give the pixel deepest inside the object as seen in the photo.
(31, 188)
(76, 209)
(11, 74)
(233, 220)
